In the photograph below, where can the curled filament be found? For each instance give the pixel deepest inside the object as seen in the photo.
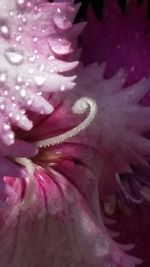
(79, 107)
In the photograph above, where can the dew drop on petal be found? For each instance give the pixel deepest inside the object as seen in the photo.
(23, 92)
(40, 80)
(2, 107)
(4, 31)
(9, 138)
(31, 58)
(18, 38)
(60, 46)
(6, 127)
(35, 39)
(20, 29)
(20, 2)
(19, 79)
(63, 87)
(14, 57)
(31, 71)
(3, 77)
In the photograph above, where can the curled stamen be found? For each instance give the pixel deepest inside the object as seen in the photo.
(28, 198)
(79, 107)
(125, 192)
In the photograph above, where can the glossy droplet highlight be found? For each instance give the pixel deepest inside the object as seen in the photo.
(20, 2)
(40, 80)
(14, 57)
(3, 77)
(4, 31)
(60, 46)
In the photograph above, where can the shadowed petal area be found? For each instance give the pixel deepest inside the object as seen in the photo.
(58, 227)
(120, 39)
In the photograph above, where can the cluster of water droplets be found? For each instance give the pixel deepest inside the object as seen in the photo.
(35, 38)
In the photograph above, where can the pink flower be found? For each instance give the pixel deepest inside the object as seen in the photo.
(50, 212)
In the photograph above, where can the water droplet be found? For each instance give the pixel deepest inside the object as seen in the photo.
(17, 117)
(35, 39)
(23, 4)
(61, 21)
(20, 2)
(63, 87)
(51, 57)
(15, 57)
(4, 31)
(23, 111)
(51, 70)
(2, 107)
(39, 93)
(29, 4)
(58, 10)
(27, 83)
(29, 102)
(18, 38)
(31, 58)
(35, 52)
(6, 126)
(4, 28)
(17, 87)
(24, 20)
(10, 115)
(41, 68)
(19, 16)
(11, 138)
(31, 71)
(3, 76)
(5, 92)
(23, 92)
(40, 80)
(19, 79)
(20, 29)
(11, 13)
(60, 46)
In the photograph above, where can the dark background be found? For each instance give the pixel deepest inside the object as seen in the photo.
(97, 6)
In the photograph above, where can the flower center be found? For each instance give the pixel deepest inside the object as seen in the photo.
(79, 107)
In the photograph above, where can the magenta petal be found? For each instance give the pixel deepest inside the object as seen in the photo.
(58, 227)
(8, 168)
(19, 149)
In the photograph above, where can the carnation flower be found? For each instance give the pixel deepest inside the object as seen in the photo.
(50, 213)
